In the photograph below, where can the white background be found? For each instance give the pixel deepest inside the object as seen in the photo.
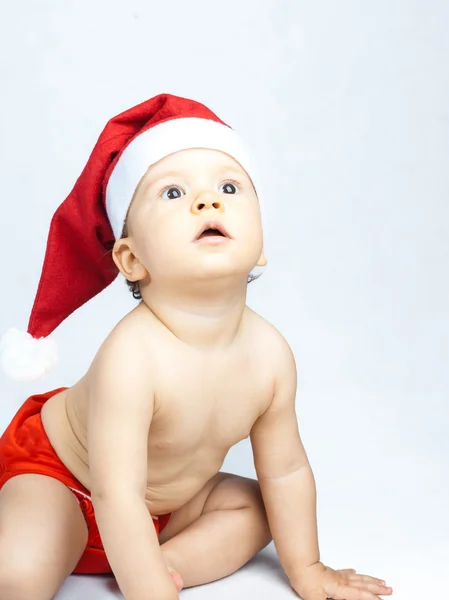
(346, 107)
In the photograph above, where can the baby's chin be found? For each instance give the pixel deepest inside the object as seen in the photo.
(184, 269)
(213, 273)
(222, 268)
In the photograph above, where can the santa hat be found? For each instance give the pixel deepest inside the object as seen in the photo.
(78, 263)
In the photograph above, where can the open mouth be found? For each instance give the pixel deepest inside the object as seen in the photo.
(212, 230)
(210, 233)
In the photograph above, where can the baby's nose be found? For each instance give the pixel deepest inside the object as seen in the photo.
(208, 200)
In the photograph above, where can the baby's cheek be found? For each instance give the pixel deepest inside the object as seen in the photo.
(254, 232)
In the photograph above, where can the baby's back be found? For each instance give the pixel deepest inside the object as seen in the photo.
(204, 403)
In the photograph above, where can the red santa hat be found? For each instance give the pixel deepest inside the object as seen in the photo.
(78, 262)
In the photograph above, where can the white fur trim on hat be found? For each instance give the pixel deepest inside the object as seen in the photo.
(25, 358)
(159, 141)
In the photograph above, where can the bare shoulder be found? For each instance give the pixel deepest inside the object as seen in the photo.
(134, 332)
(124, 357)
(275, 355)
(270, 342)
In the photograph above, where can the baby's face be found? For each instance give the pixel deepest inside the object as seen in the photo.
(176, 199)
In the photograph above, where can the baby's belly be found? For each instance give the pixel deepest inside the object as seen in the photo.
(173, 490)
(171, 483)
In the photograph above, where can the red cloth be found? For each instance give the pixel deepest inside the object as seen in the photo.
(25, 448)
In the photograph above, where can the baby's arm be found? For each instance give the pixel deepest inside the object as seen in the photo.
(120, 412)
(289, 493)
(285, 477)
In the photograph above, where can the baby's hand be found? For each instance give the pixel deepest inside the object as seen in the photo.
(319, 582)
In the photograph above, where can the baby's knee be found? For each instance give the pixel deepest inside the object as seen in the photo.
(251, 496)
(236, 492)
(248, 494)
(19, 581)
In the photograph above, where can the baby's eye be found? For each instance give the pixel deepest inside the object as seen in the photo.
(172, 193)
(229, 188)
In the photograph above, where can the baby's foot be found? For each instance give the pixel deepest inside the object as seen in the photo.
(176, 578)
(173, 572)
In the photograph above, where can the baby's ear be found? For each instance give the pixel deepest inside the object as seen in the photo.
(127, 262)
(262, 262)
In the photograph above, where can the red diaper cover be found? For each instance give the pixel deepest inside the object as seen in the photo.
(25, 448)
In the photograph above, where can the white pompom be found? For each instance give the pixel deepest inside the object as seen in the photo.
(25, 358)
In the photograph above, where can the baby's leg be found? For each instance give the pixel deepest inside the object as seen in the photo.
(218, 531)
(42, 536)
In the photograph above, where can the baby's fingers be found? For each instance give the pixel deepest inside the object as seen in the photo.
(377, 586)
(357, 592)
(361, 577)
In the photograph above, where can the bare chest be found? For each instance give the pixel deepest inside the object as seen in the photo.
(207, 409)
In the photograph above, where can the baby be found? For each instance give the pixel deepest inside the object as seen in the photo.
(121, 472)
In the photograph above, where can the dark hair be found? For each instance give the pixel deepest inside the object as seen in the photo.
(134, 285)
